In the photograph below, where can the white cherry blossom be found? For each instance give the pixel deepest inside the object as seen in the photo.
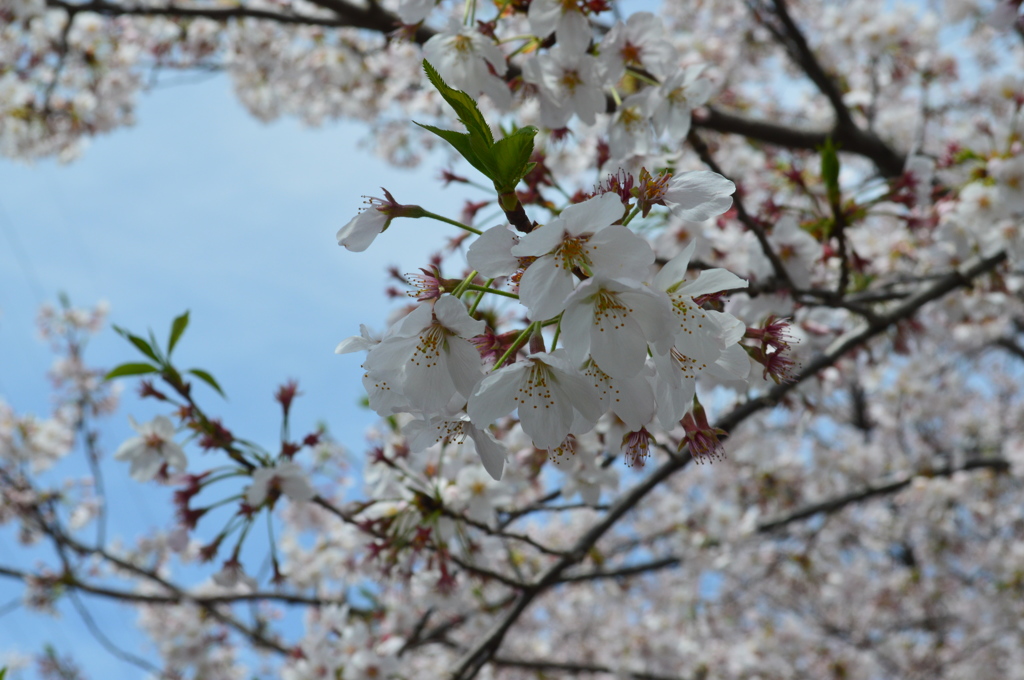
(427, 359)
(568, 83)
(552, 399)
(461, 56)
(152, 449)
(613, 321)
(285, 477)
(676, 98)
(570, 26)
(584, 237)
(425, 433)
(698, 195)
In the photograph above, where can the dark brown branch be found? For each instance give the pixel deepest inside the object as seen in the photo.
(746, 218)
(110, 9)
(871, 491)
(796, 44)
(575, 668)
(633, 570)
(1011, 346)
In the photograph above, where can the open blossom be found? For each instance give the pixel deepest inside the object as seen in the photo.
(674, 101)
(638, 43)
(422, 434)
(462, 55)
(286, 478)
(614, 321)
(427, 359)
(491, 253)
(583, 236)
(565, 20)
(553, 399)
(152, 449)
(630, 132)
(567, 82)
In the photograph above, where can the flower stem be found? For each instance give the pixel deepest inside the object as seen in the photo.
(461, 288)
(520, 341)
(630, 216)
(460, 225)
(484, 289)
(480, 297)
(558, 331)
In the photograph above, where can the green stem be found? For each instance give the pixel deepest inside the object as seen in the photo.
(460, 225)
(461, 288)
(558, 332)
(630, 216)
(520, 341)
(483, 289)
(480, 297)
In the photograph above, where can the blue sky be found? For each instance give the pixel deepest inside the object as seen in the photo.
(201, 207)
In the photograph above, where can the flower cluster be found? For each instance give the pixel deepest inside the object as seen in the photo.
(609, 334)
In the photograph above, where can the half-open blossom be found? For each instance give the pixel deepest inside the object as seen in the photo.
(362, 229)
(584, 236)
(152, 449)
(552, 398)
(698, 195)
(700, 436)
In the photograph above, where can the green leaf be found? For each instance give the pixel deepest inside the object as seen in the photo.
(512, 157)
(830, 170)
(208, 379)
(131, 369)
(178, 327)
(464, 145)
(3, 673)
(139, 343)
(465, 108)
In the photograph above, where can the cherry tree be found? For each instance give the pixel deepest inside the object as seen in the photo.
(719, 378)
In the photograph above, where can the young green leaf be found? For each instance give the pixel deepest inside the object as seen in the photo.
(131, 369)
(462, 143)
(178, 327)
(139, 343)
(830, 171)
(512, 158)
(465, 108)
(208, 379)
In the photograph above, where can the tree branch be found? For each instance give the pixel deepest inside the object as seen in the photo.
(485, 648)
(878, 489)
(576, 668)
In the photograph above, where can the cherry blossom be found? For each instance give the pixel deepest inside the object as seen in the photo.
(613, 321)
(152, 450)
(552, 399)
(427, 358)
(582, 236)
(285, 477)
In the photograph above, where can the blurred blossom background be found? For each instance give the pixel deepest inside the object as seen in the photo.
(198, 207)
